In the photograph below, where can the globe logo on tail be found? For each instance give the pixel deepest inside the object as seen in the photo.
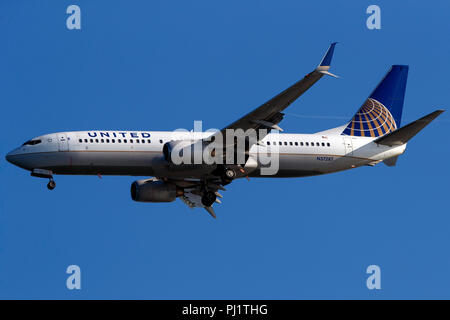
(373, 119)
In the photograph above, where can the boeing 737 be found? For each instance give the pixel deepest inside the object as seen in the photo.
(373, 135)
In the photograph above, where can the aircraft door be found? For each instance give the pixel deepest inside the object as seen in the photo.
(63, 144)
(348, 145)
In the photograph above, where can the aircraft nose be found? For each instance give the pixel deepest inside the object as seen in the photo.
(18, 158)
(9, 157)
(13, 157)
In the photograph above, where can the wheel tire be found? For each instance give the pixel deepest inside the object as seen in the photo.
(208, 198)
(229, 174)
(51, 185)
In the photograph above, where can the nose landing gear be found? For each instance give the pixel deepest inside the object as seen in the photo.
(51, 184)
(43, 173)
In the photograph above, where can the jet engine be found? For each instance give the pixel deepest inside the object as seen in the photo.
(181, 152)
(154, 191)
(186, 156)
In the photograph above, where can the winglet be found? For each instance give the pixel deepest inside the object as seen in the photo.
(326, 60)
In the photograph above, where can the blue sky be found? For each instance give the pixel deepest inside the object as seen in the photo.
(160, 65)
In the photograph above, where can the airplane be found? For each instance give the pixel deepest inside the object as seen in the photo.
(372, 135)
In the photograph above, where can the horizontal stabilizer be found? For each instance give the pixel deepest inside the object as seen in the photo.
(404, 134)
(391, 161)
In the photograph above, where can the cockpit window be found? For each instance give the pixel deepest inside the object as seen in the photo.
(32, 142)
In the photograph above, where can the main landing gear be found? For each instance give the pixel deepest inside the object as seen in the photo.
(43, 173)
(228, 175)
(209, 198)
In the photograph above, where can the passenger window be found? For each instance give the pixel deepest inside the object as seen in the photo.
(149, 141)
(328, 144)
(301, 143)
(96, 140)
(285, 143)
(160, 141)
(268, 143)
(137, 140)
(113, 141)
(107, 140)
(143, 141)
(124, 140)
(323, 144)
(307, 144)
(290, 143)
(296, 143)
(131, 140)
(119, 141)
(85, 140)
(280, 143)
(80, 140)
(103, 140)
(92, 140)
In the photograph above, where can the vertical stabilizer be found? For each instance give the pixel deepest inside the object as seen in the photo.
(381, 113)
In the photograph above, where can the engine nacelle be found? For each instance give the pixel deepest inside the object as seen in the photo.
(179, 152)
(186, 155)
(153, 191)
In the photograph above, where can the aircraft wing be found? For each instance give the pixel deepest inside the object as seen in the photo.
(269, 114)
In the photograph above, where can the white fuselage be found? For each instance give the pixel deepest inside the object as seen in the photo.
(140, 153)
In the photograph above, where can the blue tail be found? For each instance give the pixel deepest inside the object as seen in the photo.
(381, 113)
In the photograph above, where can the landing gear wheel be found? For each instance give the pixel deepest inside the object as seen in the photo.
(208, 198)
(228, 176)
(51, 185)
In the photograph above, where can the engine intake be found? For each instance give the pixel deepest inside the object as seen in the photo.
(153, 191)
(186, 155)
(182, 151)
